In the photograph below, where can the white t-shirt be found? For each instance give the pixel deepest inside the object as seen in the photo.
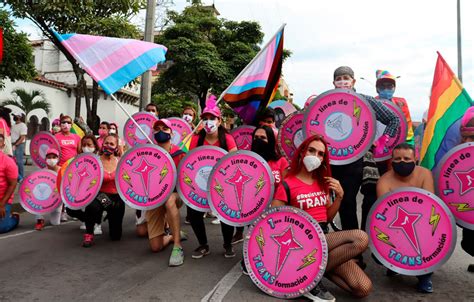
(18, 130)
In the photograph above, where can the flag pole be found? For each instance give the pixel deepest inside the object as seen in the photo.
(133, 120)
(249, 64)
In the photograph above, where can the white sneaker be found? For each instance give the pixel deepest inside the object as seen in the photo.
(83, 226)
(97, 229)
(216, 221)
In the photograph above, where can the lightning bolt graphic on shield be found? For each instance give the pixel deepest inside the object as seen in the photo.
(357, 112)
(218, 189)
(126, 177)
(187, 180)
(238, 180)
(260, 240)
(163, 173)
(434, 220)
(308, 259)
(461, 207)
(260, 183)
(383, 237)
(286, 243)
(144, 170)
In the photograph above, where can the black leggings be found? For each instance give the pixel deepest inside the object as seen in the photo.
(467, 242)
(115, 213)
(197, 223)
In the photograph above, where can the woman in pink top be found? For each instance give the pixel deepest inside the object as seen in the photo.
(108, 199)
(308, 186)
(5, 127)
(68, 142)
(104, 129)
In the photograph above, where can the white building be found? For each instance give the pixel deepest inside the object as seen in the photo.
(57, 81)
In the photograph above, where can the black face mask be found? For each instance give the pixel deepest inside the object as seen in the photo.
(261, 147)
(403, 168)
(162, 137)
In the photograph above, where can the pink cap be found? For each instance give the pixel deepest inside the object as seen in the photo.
(52, 151)
(163, 121)
(211, 107)
(468, 117)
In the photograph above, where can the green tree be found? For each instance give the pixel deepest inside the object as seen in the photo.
(17, 63)
(28, 101)
(170, 104)
(105, 17)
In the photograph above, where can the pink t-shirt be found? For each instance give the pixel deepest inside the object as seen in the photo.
(309, 198)
(228, 138)
(8, 169)
(68, 145)
(4, 126)
(278, 167)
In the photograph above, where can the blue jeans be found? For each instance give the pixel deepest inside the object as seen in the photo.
(19, 154)
(8, 223)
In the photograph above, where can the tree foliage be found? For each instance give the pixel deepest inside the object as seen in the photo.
(171, 105)
(28, 101)
(17, 63)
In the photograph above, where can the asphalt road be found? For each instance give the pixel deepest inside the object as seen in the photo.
(51, 265)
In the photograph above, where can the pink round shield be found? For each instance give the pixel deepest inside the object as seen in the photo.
(455, 183)
(38, 192)
(132, 135)
(194, 170)
(232, 181)
(181, 129)
(400, 136)
(39, 145)
(290, 135)
(81, 181)
(243, 137)
(345, 120)
(146, 177)
(285, 252)
(411, 231)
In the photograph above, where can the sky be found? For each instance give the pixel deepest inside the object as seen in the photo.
(399, 36)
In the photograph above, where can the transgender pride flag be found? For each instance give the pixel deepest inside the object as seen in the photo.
(256, 85)
(112, 62)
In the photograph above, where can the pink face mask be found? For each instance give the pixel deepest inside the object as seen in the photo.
(65, 127)
(347, 84)
(102, 132)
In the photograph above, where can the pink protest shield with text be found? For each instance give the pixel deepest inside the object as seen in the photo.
(193, 174)
(411, 231)
(39, 145)
(81, 181)
(346, 121)
(400, 136)
(132, 135)
(38, 192)
(455, 183)
(290, 135)
(145, 177)
(243, 137)
(285, 252)
(180, 128)
(240, 187)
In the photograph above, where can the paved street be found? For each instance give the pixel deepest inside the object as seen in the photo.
(51, 265)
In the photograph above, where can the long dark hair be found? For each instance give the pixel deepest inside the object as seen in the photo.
(221, 134)
(320, 173)
(5, 114)
(94, 141)
(271, 152)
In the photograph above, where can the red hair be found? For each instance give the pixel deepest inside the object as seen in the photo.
(320, 173)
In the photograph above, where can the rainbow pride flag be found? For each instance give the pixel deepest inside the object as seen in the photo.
(255, 86)
(112, 62)
(448, 103)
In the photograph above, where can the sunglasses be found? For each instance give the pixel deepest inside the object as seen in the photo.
(66, 122)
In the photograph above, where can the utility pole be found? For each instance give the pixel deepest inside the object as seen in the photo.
(145, 89)
(459, 42)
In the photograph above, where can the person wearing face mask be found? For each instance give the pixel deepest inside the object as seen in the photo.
(114, 130)
(309, 186)
(68, 142)
(55, 126)
(189, 115)
(153, 109)
(52, 160)
(104, 129)
(8, 180)
(212, 134)
(405, 173)
(116, 209)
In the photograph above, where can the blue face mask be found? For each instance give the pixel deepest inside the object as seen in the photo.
(162, 137)
(386, 94)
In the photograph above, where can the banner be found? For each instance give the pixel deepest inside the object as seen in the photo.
(132, 135)
(180, 128)
(243, 137)
(193, 174)
(282, 110)
(400, 136)
(145, 177)
(455, 183)
(290, 135)
(40, 144)
(411, 231)
(82, 181)
(285, 252)
(240, 187)
(38, 192)
(346, 121)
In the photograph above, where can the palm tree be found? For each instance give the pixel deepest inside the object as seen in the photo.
(28, 101)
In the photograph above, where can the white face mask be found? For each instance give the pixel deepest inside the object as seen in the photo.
(113, 131)
(188, 118)
(210, 126)
(311, 162)
(52, 162)
(343, 84)
(88, 150)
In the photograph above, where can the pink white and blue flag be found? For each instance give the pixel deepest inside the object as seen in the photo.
(112, 62)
